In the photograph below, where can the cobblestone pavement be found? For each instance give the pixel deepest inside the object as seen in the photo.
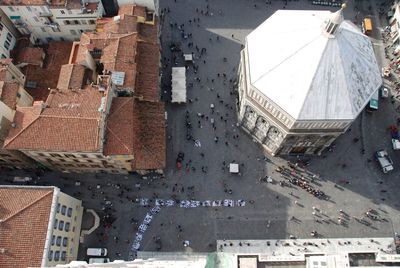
(351, 180)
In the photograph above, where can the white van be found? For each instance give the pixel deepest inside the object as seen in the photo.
(99, 260)
(96, 252)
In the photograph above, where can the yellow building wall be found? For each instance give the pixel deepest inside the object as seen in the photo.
(24, 99)
(72, 236)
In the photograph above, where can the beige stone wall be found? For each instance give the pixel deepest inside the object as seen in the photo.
(66, 230)
(78, 162)
(24, 99)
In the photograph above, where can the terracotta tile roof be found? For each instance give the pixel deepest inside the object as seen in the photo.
(125, 59)
(8, 93)
(126, 24)
(72, 113)
(127, 46)
(25, 216)
(132, 10)
(30, 55)
(147, 75)
(71, 76)
(148, 33)
(121, 125)
(47, 77)
(137, 127)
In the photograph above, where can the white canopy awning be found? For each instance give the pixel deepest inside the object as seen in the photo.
(233, 168)
(188, 57)
(178, 84)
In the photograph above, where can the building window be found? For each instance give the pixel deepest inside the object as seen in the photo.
(50, 255)
(58, 241)
(67, 22)
(29, 9)
(58, 207)
(57, 255)
(76, 22)
(62, 11)
(55, 224)
(63, 210)
(69, 12)
(65, 241)
(35, 18)
(83, 22)
(9, 37)
(43, 29)
(63, 255)
(3, 56)
(69, 155)
(53, 239)
(67, 225)
(61, 225)
(7, 44)
(73, 32)
(92, 22)
(11, 9)
(1, 27)
(69, 212)
(55, 155)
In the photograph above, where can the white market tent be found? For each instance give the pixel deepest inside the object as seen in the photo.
(188, 57)
(309, 73)
(233, 168)
(178, 84)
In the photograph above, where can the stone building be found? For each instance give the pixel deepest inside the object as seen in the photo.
(46, 20)
(105, 113)
(12, 95)
(40, 226)
(304, 77)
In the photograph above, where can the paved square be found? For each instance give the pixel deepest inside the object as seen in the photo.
(351, 180)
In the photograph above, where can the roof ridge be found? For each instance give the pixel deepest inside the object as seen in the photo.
(149, 150)
(127, 147)
(287, 58)
(119, 108)
(27, 206)
(68, 117)
(22, 130)
(312, 81)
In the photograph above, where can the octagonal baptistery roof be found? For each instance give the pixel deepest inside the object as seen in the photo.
(311, 70)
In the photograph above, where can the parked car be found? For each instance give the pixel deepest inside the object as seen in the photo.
(96, 252)
(99, 260)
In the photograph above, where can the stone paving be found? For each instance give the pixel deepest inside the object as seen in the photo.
(352, 180)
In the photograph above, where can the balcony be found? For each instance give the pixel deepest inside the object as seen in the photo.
(20, 24)
(54, 25)
(45, 14)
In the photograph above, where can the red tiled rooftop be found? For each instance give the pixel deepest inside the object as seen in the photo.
(57, 54)
(30, 55)
(126, 24)
(137, 127)
(132, 10)
(147, 75)
(8, 93)
(24, 213)
(73, 113)
(71, 76)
